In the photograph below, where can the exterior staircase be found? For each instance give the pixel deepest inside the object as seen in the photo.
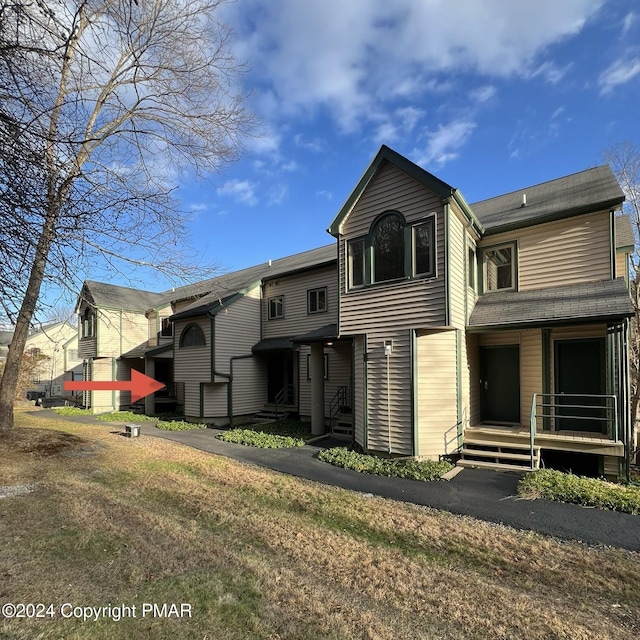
(342, 425)
(272, 413)
(497, 448)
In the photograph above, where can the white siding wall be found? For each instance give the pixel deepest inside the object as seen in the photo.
(249, 386)
(564, 252)
(101, 401)
(457, 273)
(358, 390)
(436, 386)
(119, 331)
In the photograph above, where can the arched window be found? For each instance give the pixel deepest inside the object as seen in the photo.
(192, 336)
(387, 241)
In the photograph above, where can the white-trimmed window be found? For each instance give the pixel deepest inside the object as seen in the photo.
(317, 300)
(276, 307)
(88, 323)
(499, 266)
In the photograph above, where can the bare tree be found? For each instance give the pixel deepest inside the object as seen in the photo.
(624, 159)
(103, 104)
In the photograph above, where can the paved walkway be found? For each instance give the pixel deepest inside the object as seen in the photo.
(487, 495)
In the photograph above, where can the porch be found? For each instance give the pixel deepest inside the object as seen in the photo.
(583, 424)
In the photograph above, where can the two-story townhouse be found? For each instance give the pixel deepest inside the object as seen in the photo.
(50, 342)
(245, 343)
(494, 330)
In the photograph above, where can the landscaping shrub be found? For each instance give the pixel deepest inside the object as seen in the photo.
(124, 416)
(424, 470)
(589, 492)
(179, 425)
(273, 435)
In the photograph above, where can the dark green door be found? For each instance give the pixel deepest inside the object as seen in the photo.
(579, 369)
(500, 383)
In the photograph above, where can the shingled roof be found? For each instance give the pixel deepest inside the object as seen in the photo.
(225, 287)
(102, 294)
(624, 232)
(603, 300)
(592, 190)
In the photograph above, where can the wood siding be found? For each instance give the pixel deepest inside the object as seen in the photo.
(214, 402)
(457, 277)
(249, 386)
(192, 364)
(473, 363)
(119, 331)
(101, 401)
(407, 304)
(622, 266)
(359, 391)
(389, 399)
(559, 253)
(339, 359)
(436, 388)
(237, 330)
(296, 320)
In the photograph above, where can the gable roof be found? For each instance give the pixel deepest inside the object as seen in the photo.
(227, 288)
(587, 301)
(102, 294)
(624, 232)
(428, 180)
(586, 191)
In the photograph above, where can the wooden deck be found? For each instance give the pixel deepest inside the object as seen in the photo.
(577, 441)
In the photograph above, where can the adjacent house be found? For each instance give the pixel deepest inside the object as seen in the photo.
(495, 331)
(54, 348)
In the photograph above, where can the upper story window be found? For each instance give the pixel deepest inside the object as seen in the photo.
(276, 307)
(392, 250)
(192, 336)
(471, 268)
(88, 323)
(499, 267)
(166, 329)
(387, 244)
(317, 300)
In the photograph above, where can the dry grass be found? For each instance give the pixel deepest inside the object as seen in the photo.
(262, 555)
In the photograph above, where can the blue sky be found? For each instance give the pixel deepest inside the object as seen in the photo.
(489, 95)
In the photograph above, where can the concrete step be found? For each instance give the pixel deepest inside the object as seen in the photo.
(487, 453)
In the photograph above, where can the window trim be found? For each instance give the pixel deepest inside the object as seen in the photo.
(372, 250)
(183, 333)
(472, 267)
(409, 252)
(514, 268)
(162, 325)
(326, 366)
(317, 290)
(274, 299)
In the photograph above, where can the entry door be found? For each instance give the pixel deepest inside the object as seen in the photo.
(500, 383)
(579, 368)
(279, 374)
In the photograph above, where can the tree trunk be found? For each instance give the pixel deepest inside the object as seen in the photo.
(9, 380)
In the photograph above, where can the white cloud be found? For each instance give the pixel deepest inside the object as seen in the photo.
(241, 191)
(620, 72)
(443, 144)
(277, 194)
(483, 94)
(629, 20)
(354, 59)
(550, 72)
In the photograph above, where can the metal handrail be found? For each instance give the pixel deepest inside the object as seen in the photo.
(610, 406)
(338, 401)
(283, 396)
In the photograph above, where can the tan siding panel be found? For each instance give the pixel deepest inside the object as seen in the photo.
(358, 390)
(389, 409)
(457, 278)
(436, 388)
(296, 320)
(101, 401)
(473, 358)
(530, 372)
(237, 329)
(192, 364)
(622, 266)
(564, 252)
(249, 386)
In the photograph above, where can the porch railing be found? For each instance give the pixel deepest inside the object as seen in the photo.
(283, 397)
(588, 409)
(340, 401)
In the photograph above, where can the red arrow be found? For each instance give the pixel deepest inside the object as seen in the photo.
(139, 385)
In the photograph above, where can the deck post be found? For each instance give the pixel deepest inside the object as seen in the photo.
(150, 400)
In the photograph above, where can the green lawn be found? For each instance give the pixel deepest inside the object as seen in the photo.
(257, 554)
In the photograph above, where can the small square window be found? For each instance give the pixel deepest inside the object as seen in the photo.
(355, 250)
(276, 307)
(499, 268)
(166, 329)
(317, 300)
